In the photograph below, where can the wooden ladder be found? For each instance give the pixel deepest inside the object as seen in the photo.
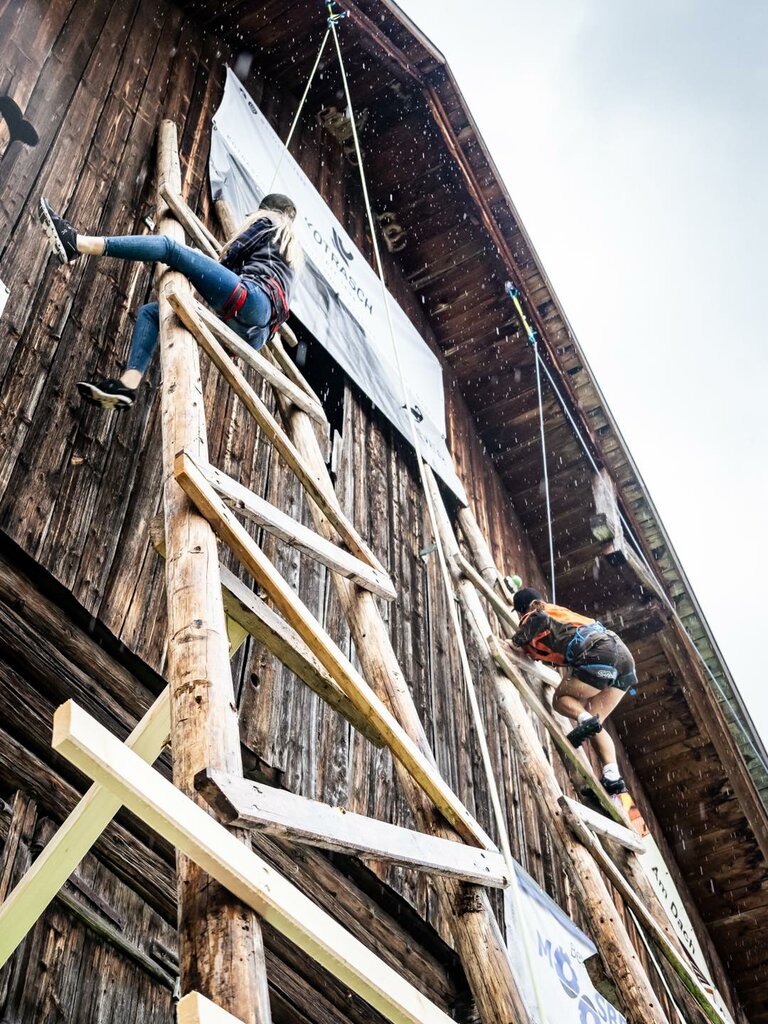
(210, 611)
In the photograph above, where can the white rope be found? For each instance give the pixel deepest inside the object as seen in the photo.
(450, 595)
(543, 436)
(297, 115)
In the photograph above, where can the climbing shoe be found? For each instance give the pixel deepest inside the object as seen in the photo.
(615, 787)
(109, 393)
(584, 730)
(62, 237)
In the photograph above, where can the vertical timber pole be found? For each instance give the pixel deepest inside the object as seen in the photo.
(221, 950)
(467, 909)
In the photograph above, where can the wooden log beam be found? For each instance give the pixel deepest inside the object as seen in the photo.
(59, 858)
(176, 817)
(221, 948)
(327, 652)
(191, 223)
(281, 525)
(467, 909)
(186, 309)
(281, 639)
(279, 813)
(607, 927)
(267, 370)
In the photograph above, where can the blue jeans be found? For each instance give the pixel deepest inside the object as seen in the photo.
(214, 282)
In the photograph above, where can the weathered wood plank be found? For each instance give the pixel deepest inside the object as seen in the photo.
(281, 813)
(279, 524)
(603, 826)
(82, 740)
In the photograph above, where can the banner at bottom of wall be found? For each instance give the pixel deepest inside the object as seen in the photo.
(558, 951)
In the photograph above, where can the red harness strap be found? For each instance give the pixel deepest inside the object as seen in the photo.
(234, 303)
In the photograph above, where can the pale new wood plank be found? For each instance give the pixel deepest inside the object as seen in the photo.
(196, 1009)
(301, 537)
(186, 310)
(267, 370)
(328, 653)
(280, 813)
(61, 856)
(95, 751)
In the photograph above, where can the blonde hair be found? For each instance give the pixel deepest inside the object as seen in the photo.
(285, 239)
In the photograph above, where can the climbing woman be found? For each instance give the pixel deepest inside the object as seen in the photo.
(602, 670)
(249, 288)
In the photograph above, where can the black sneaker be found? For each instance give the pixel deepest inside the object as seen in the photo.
(584, 730)
(62, 237)
(613, 786)
(109, 393)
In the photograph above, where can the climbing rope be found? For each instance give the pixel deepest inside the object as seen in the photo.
(447, 583)
(514, 294)
(626, 527)
(300, 108)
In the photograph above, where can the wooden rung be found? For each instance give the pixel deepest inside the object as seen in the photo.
(324, 499)
(246, 613)
(38, 887)
(280, 813)
(191, 223)
(569, 755)
(265, 625)
(196, 1009)
(603, 826)
(288, 336)
(301, 537)
(267, 370)
(95, 751)
(327, 652)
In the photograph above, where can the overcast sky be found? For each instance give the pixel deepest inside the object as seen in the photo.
(632, 138)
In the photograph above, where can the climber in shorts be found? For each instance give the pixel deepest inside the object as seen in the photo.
(602, 671)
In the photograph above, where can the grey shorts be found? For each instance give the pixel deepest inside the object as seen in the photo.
(607, 663)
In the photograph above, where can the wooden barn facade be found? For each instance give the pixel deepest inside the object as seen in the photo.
(82, 587)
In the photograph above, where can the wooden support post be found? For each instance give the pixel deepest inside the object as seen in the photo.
(221, 949)
(50, 870)
(608, 930)
(277, 812)
(327, 651)
(184, 306)
(280, 524)
(467, 909)
(90, 747)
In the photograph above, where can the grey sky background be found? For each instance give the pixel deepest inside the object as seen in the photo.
(633, 141)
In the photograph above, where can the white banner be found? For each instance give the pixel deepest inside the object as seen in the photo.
(557, 950)
(339, 297)
(657, 873)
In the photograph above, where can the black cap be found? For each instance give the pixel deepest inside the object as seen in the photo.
(280, 203)
(524, 598)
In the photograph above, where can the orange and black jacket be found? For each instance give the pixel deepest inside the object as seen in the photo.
(555, 634)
